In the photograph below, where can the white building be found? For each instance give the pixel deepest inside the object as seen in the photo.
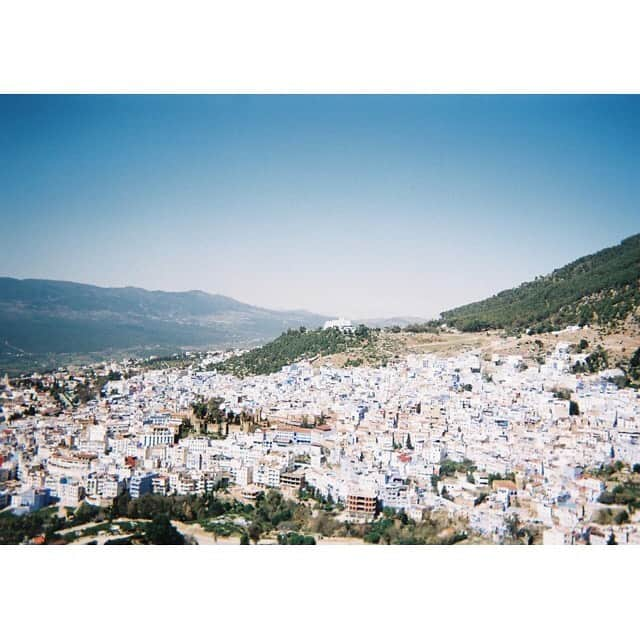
(342, 324)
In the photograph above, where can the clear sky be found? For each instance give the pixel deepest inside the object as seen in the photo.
(365, 206)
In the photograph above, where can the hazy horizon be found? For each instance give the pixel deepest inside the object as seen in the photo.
(363, 206)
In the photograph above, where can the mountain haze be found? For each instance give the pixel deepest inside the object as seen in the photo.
(39, 317)
(47, 316)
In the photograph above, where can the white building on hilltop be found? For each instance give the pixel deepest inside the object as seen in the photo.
(341, 323)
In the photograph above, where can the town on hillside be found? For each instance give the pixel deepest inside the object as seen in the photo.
(471, 446)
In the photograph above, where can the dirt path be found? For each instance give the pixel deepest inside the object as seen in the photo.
(334, 541)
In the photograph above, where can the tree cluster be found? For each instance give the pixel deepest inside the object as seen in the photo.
(292, 346)
(600, 288)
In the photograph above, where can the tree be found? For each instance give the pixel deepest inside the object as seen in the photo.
(596, 361)
(634, 366)
(621, 517)
(512, 526)
(161, 531)
(85, 513)
(254, 532)
(185, 428)
(408, 443)
(244, 539)
(295, 538)
(199, 410)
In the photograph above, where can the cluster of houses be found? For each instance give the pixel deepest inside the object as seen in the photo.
(487, 439)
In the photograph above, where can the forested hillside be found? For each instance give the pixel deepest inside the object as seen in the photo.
(292, 346)
(601, 288)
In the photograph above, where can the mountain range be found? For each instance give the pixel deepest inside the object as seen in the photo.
(47, 316)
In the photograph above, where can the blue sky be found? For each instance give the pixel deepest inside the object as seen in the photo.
(358, 205)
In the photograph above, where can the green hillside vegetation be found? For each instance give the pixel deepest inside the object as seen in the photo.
(633, 370)
(292, 346)
(423, 327)
(601, 288)
(630, 371)
(393, 527)
(288, 521)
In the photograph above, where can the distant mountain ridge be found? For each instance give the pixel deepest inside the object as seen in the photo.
(50, 316)
(57, 317)
(602, 288)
